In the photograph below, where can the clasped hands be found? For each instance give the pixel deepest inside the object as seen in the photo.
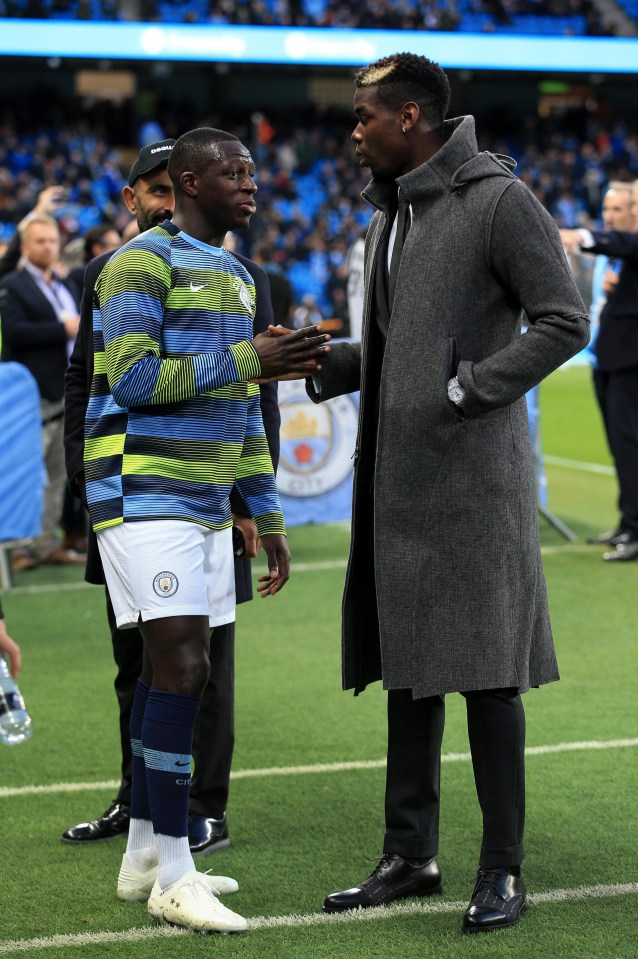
(290, 354)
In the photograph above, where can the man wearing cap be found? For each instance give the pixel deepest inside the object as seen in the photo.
(149, 194)
(150, 199)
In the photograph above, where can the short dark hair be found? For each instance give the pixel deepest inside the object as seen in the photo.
(192, 150)
(406, 76)
(264, 251)
(96, 235)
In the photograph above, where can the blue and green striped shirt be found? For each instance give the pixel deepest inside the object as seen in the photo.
(172, 421)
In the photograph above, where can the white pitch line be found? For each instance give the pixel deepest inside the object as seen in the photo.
(446, 758)
(296, 568)
(582, 893)
(318, 768)
(8, 791)
(50, 588)
(569, 548)
(579, 466)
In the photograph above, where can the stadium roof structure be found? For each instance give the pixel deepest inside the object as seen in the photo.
(315, 46)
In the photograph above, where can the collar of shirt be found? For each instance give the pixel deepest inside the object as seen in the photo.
(393, 234)
(58, 295)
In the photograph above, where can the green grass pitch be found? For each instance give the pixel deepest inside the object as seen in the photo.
(301, 835)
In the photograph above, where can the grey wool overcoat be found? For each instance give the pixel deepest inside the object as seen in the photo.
(445, 588)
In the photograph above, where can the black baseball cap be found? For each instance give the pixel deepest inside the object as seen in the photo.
(151, 157)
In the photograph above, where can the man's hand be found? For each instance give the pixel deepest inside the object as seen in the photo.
(49, 199)
(610, 279)
(571, 240)
(47, 203)
(283, 352)
(71, 323)
(11, 648)
(276, 548)
(248, 529)
(302, 374)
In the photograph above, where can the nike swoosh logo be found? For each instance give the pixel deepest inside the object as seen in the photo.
(196, 289)
(182, 764)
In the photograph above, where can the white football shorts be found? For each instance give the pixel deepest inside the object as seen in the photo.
(161, 568)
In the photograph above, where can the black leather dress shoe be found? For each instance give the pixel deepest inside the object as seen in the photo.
(111, 824)
(624, 552)
(497, 901)
(207, 835)
(393, 878)
(611, 538)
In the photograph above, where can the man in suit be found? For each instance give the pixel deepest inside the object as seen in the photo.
(445, 590)
(39, 323)
(616, 353)
(149, 197)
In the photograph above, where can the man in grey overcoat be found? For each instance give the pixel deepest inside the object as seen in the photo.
(445, 589)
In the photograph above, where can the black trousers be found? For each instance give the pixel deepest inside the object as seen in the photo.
(617, 395)
(496, 728)
(214, 735)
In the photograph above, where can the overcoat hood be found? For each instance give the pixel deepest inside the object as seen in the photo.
(456, 164)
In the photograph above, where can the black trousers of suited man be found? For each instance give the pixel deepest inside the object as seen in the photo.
(496, 729)
(214, 735)
(617, 395)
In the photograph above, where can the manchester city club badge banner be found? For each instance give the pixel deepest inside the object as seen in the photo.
(315, 464)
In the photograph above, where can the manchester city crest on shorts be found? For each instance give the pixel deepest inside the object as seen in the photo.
(166, 584)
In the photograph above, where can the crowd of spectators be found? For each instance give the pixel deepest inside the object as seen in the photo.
(73, 157)
(62, 9)
(310, 208)
(567, 17)
(561, 17)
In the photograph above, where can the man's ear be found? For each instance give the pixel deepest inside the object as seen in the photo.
(128, 195)
(410, 113)
(189, 183)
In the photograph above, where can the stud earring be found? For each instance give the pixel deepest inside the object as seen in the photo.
(403, 130)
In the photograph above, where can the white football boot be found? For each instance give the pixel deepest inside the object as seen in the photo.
(192, 902)
(134, 885)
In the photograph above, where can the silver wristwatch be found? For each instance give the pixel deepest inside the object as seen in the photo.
(455, 391)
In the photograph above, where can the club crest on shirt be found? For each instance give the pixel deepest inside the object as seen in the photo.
(166, 584)
(244, 295)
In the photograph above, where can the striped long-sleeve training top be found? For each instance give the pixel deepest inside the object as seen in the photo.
(172, 421)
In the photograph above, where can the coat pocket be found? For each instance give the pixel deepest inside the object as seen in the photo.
(453, 365)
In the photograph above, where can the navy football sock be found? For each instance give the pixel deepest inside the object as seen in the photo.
(139, 792)
(140, 847)
(167, 737)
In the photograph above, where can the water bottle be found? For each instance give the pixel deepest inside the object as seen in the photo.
(15, 722)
